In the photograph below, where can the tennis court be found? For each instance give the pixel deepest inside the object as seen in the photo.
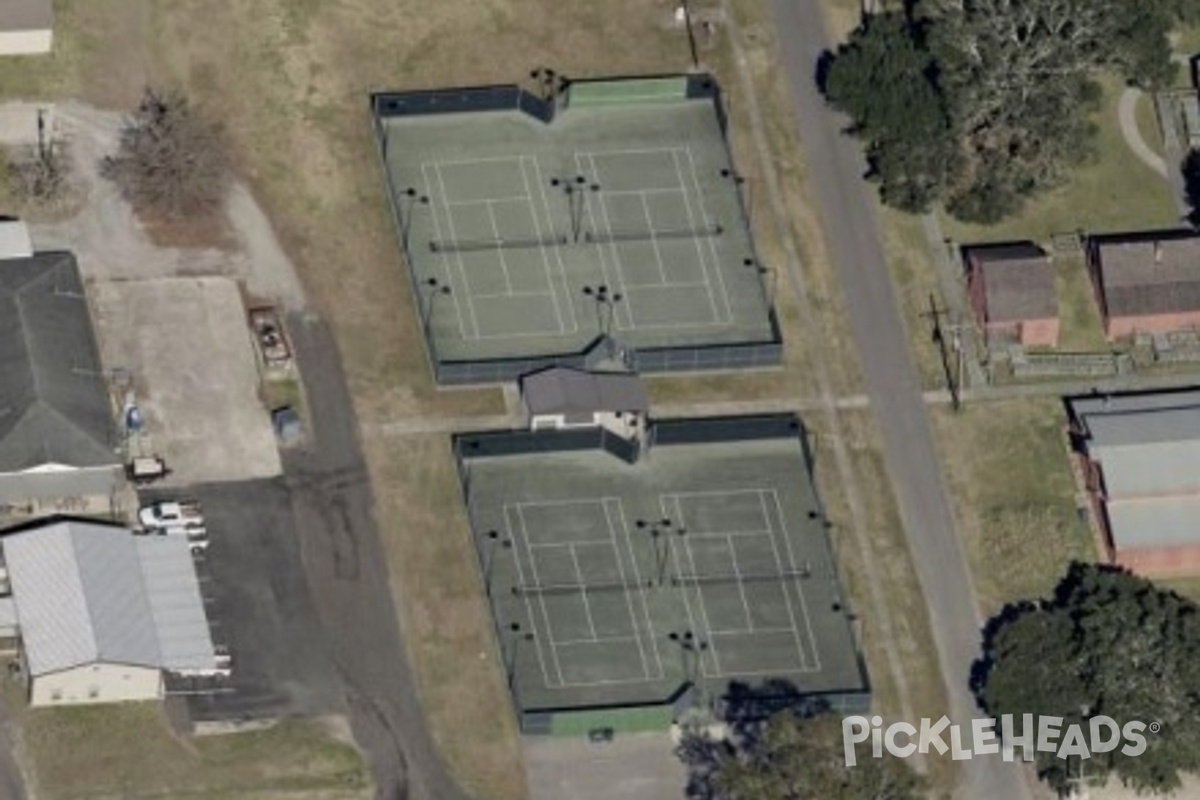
(617, 584)
(530, 239)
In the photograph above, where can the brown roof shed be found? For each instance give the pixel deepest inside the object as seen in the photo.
(1143, 274)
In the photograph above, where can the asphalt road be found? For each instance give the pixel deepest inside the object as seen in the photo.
(837, 167)
(346, 568)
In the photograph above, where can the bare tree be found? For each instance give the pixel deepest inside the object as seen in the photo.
(39, 178)
(172, 162)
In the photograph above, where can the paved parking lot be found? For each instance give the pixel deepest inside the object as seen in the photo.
(188, 347)
(634, 765)
(259, 605)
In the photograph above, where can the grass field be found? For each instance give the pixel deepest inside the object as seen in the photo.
(918, 658)
(1080, 327)
(1114, 191)
(1014, 495)
(127, 751)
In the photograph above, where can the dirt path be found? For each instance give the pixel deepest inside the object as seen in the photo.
(1127, 115)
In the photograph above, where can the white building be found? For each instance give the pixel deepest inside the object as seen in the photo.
(56, 422)
(26, 27)
(102, 613)
(562, 397)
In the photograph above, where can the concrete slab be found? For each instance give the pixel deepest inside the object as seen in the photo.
(187, 345)
(638, 765)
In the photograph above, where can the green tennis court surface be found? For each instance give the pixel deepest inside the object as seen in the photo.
(512, 225)
(616, 584)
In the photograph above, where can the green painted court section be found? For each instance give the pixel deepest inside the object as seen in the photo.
(511, 225)
(614, 585)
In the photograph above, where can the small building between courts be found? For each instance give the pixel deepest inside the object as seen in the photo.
(26, 27)
(1147, 282)
(562, 397)
(1141, 459)
(1012, 293)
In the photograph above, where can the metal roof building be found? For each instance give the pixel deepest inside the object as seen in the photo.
(102, 612)
(1143, 468)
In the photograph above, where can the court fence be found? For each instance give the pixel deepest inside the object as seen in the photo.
(739, 702)
(643, 89)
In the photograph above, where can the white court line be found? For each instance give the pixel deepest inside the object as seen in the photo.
(587, 606)
(662, 271)
(700, 260)
(470, 162)
(799, 590)
(503, 295)
(537, 581)
(688, 285)
(717, 266)
(663, 190)
(458, 256)
(712, 645)
(562, 268)
(613, 542)
(619, 281)
(571, 544)
(512, 535)
(736, 631)
(515, 198)
(597, 640)
(633, 152)
(737, 573)
(537, 228)
(500, 251)
(637, 576)
(437, 229)
(723, 534)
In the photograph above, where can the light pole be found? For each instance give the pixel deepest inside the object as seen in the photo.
(432, 288)
(493, 537)
(574, 188)
(691, 651)
(515, 637)
(772, 278)
(412, 198)
(605, 306)
(660, 532)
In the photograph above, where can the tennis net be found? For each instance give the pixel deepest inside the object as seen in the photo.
(585, 237)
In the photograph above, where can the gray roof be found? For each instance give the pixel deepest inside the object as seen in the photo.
(1148, 449)
(1167, 523)
(54, 406)
(88, 593)
(1085, 407)
(1156, 272)
(26, 15)
(562, 390)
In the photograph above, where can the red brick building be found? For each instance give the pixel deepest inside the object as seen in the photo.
(1011, 288)
(1146, 282)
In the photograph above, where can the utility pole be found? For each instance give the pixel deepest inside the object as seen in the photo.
(939, 337)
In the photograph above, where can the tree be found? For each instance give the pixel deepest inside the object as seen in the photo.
(1107, 643)
(885, 79)
(980, 104)
(791, 757)
(172, 163)
(1191, 185)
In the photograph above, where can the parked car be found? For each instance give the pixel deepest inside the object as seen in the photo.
(168, 514)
